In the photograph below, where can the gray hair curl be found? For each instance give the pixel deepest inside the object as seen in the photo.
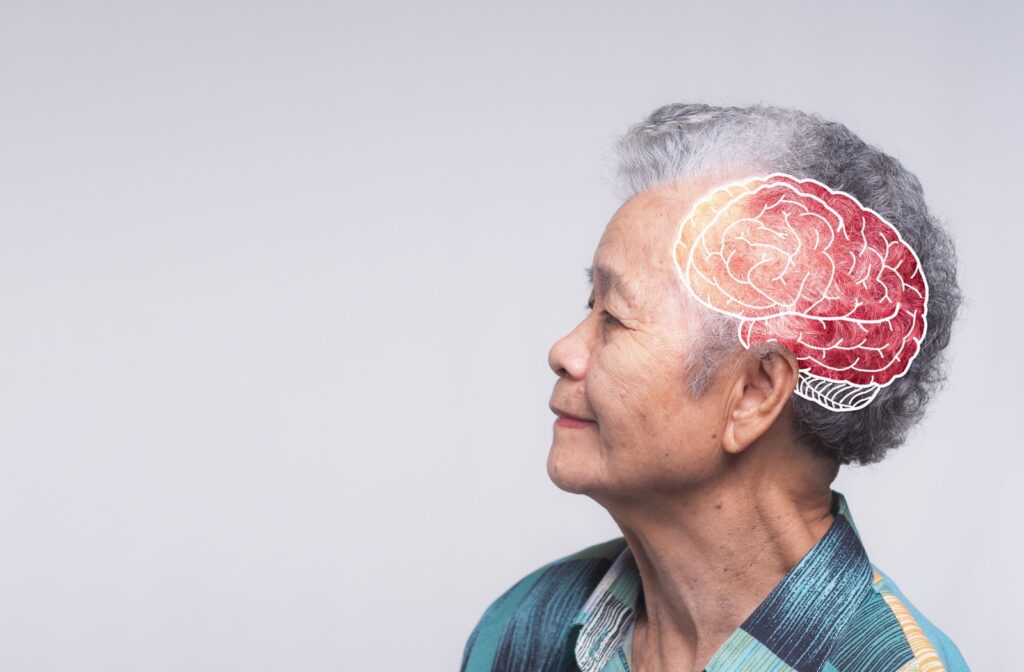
(681, 140)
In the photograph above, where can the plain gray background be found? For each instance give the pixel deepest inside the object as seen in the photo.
(278, 282)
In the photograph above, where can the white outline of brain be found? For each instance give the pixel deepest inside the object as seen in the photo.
(798, 272)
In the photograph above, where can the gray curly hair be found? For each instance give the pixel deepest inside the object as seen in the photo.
(681, 140)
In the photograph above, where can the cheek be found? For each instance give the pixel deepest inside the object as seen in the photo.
(644, 390)
(629, 390)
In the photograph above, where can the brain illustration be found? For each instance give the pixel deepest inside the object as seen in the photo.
(812, 269)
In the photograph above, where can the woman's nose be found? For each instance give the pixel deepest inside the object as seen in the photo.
(570, 354)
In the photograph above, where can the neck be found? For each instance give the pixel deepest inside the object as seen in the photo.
(708, 556)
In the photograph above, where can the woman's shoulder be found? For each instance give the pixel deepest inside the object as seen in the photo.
(594, 559)
(888, 611)
(539, 606)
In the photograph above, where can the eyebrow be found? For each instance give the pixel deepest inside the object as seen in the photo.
(609, 279)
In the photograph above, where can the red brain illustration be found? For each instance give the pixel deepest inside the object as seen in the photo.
(814, 270)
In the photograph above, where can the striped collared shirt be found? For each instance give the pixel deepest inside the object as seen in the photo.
(833, 612)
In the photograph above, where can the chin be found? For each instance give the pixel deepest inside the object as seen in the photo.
(572, 467)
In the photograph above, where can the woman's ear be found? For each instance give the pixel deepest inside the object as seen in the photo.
(762, 387)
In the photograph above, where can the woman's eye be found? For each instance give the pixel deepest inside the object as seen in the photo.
(609, 318)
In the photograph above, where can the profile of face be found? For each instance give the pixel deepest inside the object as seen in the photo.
(622, 366)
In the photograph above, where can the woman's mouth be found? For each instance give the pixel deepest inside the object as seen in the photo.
(566, 421)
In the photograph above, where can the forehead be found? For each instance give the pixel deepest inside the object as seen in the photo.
(636, 248)
(640, 239)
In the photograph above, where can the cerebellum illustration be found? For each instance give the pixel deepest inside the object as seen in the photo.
(810, 268)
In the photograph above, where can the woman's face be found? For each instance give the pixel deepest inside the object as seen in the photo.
(622, 366)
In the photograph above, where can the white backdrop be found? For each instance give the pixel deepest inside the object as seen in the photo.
(278, 282)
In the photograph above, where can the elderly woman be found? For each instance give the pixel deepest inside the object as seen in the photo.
(770, 302)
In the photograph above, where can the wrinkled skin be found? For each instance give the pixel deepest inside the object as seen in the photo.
(627, 373)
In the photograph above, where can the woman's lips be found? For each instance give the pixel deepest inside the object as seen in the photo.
(565, 421)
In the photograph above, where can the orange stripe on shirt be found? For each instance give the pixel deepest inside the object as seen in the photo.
(924, 653)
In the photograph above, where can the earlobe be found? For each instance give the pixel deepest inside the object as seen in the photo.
(729, 442)
(745, 425)
(736, 435)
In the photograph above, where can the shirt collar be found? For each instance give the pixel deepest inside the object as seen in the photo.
(797, 624)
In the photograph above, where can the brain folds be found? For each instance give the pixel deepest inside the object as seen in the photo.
(812, 269)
